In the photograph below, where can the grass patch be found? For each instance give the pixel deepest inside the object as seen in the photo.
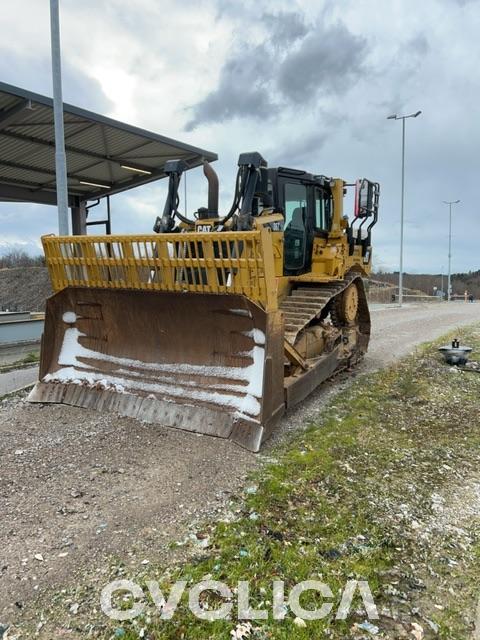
(29, 360)
(351, 498)
(383, 486)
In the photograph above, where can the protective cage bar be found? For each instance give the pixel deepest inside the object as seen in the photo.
(226, 262)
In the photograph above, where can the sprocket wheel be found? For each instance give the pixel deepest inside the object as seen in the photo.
(345, 309)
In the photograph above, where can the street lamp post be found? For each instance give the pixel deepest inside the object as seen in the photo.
(60, 159)
(449, 286)
(400, 272)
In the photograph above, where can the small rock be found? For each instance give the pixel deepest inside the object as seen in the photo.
(417, 631)
(39, 557)
(74, 608)
(203, 542)
(433, 625)
(299, 622)
(369, 627)
(242, 630)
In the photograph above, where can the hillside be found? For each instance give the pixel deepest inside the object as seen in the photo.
(24, 289)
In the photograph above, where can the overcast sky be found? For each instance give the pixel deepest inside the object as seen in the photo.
(309, 84)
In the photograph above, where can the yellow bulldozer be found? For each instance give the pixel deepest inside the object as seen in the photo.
(215, 324)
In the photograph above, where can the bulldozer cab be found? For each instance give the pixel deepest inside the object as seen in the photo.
(306, 202)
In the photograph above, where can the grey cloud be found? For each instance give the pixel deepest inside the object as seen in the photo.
(285, 27)
(418, 45)
(297, 152)
(326, 59)
(245, 82)
(242, 90)
(293, 64)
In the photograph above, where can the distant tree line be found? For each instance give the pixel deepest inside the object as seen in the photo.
(461, 282)
(17, 258)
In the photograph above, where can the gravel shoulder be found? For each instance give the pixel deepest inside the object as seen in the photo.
(78, 487)
(17, 379)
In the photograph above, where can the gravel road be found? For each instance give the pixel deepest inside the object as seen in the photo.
(78, 486)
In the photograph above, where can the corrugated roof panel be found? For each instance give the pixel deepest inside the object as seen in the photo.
(90, 140)
(13, 149)
(120, 142)
(27, 140)
(25, 176)
(7, 101)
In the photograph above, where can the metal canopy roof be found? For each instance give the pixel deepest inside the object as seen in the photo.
(97, 148)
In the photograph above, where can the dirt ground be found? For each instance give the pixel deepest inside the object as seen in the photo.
(78, 487)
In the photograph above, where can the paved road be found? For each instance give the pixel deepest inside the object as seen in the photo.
(396, 332)
(78, 485)
(17, 379)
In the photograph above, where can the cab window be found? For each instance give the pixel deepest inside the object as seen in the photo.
(295, 205)
(295, 237)
(322, 210)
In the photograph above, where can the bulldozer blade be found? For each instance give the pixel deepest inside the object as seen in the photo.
(207, 363)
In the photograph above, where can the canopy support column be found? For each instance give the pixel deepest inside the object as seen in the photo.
(79, 218)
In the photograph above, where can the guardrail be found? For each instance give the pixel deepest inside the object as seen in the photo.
(16, 329)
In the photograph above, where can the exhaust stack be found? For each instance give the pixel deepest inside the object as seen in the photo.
(212, 178)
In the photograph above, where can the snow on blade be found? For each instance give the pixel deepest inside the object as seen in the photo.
(245, 404)
(72, 349)
(257, 335)
(241, 312)
(76, 371)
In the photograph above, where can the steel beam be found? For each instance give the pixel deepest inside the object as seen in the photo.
(11, 116)
(25, 194)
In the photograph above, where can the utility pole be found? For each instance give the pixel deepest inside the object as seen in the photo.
(60, 158)
(400, 272)
(449, 281)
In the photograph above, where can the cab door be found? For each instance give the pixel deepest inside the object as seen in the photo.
(298, 234)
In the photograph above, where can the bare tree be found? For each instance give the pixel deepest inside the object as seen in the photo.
(18, 258)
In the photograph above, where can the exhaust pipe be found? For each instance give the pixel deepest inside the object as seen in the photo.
(212, 178)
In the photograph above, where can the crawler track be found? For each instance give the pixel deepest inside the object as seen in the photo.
(313, 304)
